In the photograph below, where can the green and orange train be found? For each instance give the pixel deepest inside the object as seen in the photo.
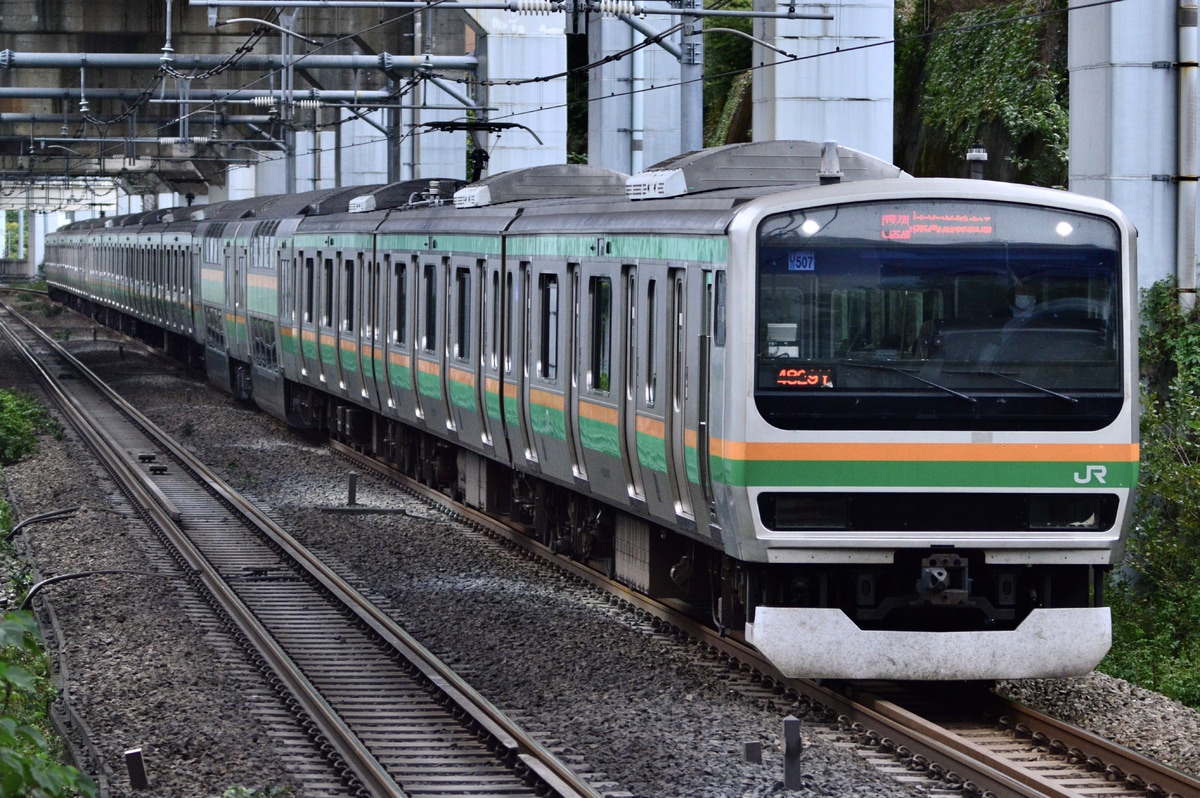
(884, 427)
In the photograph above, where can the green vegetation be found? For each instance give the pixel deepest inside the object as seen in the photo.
(727, 77)
(29, 762)
(21, 420)
(13, 244)
(981, 71)
(1155, 593)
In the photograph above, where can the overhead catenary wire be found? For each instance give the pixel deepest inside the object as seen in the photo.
(362, 110)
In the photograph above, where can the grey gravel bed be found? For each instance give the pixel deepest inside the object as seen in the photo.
(138, 671)
(652, 720)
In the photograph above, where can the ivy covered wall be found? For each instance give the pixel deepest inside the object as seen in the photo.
(982, 71)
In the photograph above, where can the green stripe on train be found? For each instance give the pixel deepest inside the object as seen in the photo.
(600, 436)
(491, 401)
(262, 300)
(462, 395)
(356, 241)
(400, 376)
(548, 421)
(429, 385)
(650, 247)
(652, 452)
(923, 474)
(473, 244)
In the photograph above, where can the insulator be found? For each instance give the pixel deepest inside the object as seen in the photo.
(616, 8)
(309, 103)
(535, 6)
(263, 102)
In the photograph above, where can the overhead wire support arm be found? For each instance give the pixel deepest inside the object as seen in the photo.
(612, 7)
(218, 23)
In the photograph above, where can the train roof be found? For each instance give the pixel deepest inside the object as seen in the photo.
(557, 181)
(758, 165)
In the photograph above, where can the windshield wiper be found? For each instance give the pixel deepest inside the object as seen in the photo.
(1042, 388)
(917, 377)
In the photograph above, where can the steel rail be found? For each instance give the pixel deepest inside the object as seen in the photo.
(347, 745)
(982, 772)
(560, 778)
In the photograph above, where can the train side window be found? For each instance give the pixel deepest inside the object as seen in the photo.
(429, 339)
(309, 286)
(719, 319)
(600, 291)
(631, 333)
(462, 310)
(371, 300)
(678, 375)
(651, 343)
(510, 297)
(288, 309)
(547, 367)
(327, 315)
(348, 296)
(400, 302)
(494, 346)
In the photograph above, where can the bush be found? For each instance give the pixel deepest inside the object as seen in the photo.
(1155, 594)
(28, 765)
(21, 419)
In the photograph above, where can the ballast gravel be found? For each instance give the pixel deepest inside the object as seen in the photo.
(588, 679)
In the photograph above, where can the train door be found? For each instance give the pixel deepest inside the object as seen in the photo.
(401, 331)
(237, 267)
(307, 289)
(370, 343)
(327, 342)
(571, 375)
(463, 364)
(430, 346)
(347, 324)
(698, 399)
(651, 398)
(601, 377)
(628, 417)
(550, 337)
(677, 432)
(514, 392)
(490, 386)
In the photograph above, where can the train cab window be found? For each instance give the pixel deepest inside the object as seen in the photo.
(429, 339)
(462, 314)
(600, 294)
(893, 314)
(348, 296)
(327, 316)
(547, 363)
(309, 289)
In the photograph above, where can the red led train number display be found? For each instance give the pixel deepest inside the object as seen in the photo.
(908, 226)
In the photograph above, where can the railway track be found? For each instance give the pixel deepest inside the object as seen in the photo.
(953, 740)
(987, 747)
(386, 716)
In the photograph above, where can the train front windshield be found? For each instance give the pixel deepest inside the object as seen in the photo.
(943, 314)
